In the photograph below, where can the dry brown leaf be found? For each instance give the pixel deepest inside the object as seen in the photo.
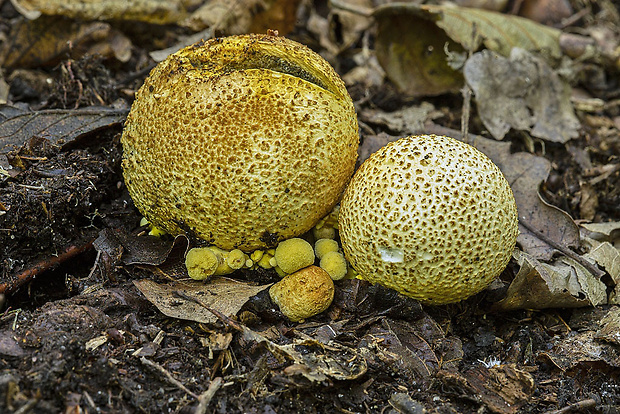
(411, 51)
(221, 294)
(582, 348)
(563, 284)
(151, 11)
(610, 326)
(48, 40)
(503, 388)
(346, 27)
(318, 361)
(405, 121)
(56, 126)
(280, 15)
(244, 16)
(413, 40)
(521, 92)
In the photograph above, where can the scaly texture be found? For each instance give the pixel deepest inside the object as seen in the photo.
(241, 141)
(430, 217)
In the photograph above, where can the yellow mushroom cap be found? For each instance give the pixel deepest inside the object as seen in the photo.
(294, 254)
(430, 217)
(304, 293)
(335, 264)
(236, 259)
(201, 262)
(241, 141)
(324, 246)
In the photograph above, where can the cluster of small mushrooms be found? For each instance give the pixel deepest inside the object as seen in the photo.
(248, 143)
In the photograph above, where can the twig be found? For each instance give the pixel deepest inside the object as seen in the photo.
(206, 397)
(465, 113)
(228, 321)
(26, 408)
(576, 407)
(27, 275)
(563, 249)
(168, 376)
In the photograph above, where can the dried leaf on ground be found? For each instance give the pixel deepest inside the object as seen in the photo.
(245, 16)
(405, 121)
(47, 40)
(411, 42)
(521, 92)
(58, 126)
(417, 349)
(608, 257)
(501, 388)
(312, 359)
(411, 51)
(610, 327)
(368, 71)
(582, 348)
(151, 11)
(221, 294)
(562, 284)
(143, 250)
(609, 231)
(345, 26)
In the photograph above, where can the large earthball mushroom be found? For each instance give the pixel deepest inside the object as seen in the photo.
(241, 141)
(430, 217)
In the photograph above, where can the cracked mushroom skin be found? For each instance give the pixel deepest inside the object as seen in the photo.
(241, 141)
(430, 217)
(303, 294)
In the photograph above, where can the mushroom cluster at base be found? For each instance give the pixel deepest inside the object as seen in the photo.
(293, 259)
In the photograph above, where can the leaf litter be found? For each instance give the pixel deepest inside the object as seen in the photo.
(130, 322)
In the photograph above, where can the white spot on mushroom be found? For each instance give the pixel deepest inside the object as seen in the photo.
(427, 256)
(391, 254)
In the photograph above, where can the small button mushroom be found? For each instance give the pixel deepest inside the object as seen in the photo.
(335, 264)
(324, 246)
(294, 254)
(304, 293)
(201, 262)
(236, 259)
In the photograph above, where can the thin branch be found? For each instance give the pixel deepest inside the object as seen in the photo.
(168, 376)
(579, 406)
(206, 397)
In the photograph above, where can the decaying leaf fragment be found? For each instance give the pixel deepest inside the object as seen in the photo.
(312, 359)
(224, 295)
(521, 92)
(245, 16)
(151, 11)
(421, 47)
(563, 284)
(48, 40)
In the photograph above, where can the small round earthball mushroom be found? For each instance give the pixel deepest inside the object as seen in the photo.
(430, 217)
(334, 264)
(304, 293)
(241, 141)
(294, 254)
